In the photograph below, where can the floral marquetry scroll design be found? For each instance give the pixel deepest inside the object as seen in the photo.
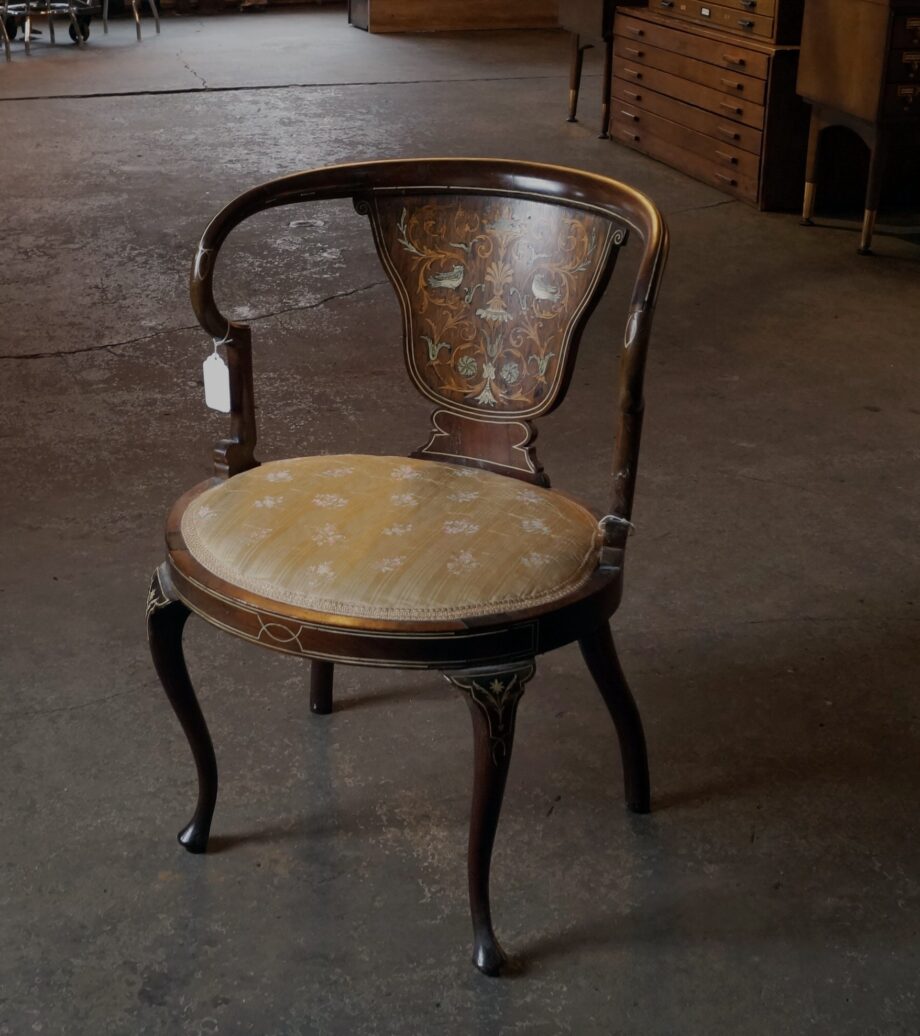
(494, 292)
(496, 694)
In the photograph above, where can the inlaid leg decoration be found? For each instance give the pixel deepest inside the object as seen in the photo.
(166, 616)
(321, 676)
(601, 656)
(493, 697)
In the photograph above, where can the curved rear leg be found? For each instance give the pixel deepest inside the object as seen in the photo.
(166, 616)
(601, 656)
(493, 697)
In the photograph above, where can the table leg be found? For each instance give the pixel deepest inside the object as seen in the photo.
(811, 170)
(873, 192)
(578, 57)
(608, 85)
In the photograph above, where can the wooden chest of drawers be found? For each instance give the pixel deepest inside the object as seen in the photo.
(720, 108)
(774, 21)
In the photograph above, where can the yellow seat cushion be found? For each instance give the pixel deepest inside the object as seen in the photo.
(391, 538)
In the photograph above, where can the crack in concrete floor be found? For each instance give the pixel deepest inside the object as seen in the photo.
(55, 354)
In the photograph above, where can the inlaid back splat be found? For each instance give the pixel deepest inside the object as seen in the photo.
(494, 292)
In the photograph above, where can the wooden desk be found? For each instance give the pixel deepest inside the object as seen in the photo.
(860, 68)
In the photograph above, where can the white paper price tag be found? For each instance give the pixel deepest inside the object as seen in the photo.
(216, 383)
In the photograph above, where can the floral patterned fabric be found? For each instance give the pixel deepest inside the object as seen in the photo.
(387, 537)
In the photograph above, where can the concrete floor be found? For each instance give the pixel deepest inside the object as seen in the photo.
(770, 625)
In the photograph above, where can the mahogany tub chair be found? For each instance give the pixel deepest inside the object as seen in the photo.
(458, 558)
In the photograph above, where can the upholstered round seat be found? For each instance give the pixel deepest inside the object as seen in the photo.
(391, 538)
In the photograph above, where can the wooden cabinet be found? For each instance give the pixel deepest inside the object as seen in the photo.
(719, 106)
(861, 69)
(444, 15)
(774, 21)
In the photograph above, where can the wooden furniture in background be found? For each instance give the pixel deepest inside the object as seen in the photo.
(773, 21)
(591, 21)
(860, 69)
(450, 15)
(453, 560)
(718, 106)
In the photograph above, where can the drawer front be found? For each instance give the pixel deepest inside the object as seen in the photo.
(686, 161)
(734, 108)
(628, 95)
(736, 19)
(906, 31)
(904, 66)
(725, 55)
(902, 100)
(727, 80)
(731, 159)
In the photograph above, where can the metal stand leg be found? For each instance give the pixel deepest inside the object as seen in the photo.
(105, 16)
(137, 18)
(77, 27)
(155, 13)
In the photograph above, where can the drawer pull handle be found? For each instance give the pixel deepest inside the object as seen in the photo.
(746, 23)
(629, 114)
(730, 180)
(732, 59)
(732, 84)
(635, 30)
(749, 4)
(727, 158)
(729, 134)
(630, 136)
(634, 53)
(665, 3)
(733, 108)
(632, 72)
(632, 96)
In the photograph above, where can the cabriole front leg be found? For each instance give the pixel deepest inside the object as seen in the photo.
(492, 696)
(166, 616)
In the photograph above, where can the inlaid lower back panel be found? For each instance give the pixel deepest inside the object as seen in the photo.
(494, 293)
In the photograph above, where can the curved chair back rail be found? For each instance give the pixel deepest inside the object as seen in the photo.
(569, 224)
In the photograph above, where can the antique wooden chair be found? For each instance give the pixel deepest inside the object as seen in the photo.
(458, 558)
